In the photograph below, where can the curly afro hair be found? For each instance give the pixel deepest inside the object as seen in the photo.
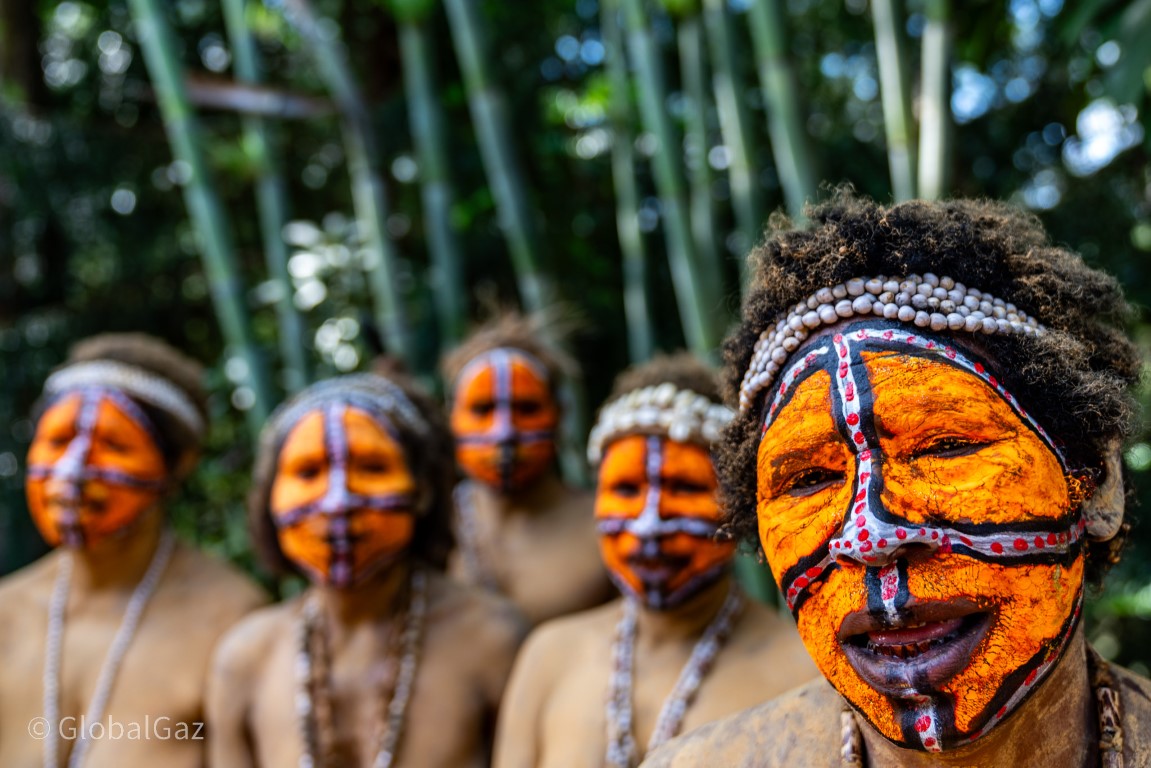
(158, 358)
(429, 453)
(515, 331)
(682, 369)
(1075, 379)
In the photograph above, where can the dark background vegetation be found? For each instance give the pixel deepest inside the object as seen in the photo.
(1049, 102)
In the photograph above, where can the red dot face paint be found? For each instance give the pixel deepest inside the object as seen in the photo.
(504, 419)
(657, 515)
(94, 468)
(343, 496)
(913, 541)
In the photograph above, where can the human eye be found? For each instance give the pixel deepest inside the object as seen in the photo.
(625, 489)
(949, 447)
(482, 407)
(811, 480)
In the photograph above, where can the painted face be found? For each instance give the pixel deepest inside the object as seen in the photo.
(343, 499)
(657, 516)
(924, 531)
(94, 468)
(504, 419)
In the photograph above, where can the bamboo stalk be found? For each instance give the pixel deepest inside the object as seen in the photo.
(271, 202)
(204, 207)
(895, 91)
(501, 163)
(427, 126)
(747, 201)
(697, 142)
(793, 158)
(935, 128)
(369, 194)
(640, 336)
(698, 311)
(489, 112)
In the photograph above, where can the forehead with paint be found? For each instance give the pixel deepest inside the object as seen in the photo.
(504, 416)
(656, 507)
(95, 465)
(924, 528)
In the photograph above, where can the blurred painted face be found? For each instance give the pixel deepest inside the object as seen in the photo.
(94, 468)
(657, 516)
(343, 499)
(923, 528)
(504, 419)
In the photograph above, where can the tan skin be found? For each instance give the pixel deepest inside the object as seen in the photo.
(541, 547)
(1058, 726)
(470, 640)
(554, 712)
(163, 672)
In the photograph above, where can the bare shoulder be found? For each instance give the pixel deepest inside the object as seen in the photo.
(222, 588)
(552, 646)
(801, 727)
(32, 583)
(246, 644)
(487, 620)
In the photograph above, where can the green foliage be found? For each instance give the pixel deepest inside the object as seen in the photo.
(94, 234)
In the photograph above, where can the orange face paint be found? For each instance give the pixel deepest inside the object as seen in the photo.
(657, 515)
(504, 419)
(94, 467)
(924, 530)
(343, 497)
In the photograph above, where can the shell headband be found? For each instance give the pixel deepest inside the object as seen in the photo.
(927, 301)
(374, 394)
(135, 382)
(683, 415)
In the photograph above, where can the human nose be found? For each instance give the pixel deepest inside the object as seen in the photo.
(870, 537)
(67, 473)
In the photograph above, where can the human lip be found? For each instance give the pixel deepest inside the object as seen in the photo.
(923, 646)
(659, 568)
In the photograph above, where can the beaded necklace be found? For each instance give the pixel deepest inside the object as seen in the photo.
(621, 741)
(313, 671)
(467, 529)
(57, 607)
(1107, 706)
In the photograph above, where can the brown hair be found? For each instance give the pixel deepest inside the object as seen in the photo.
(516, 331)
(682, 369)
(1075, 379)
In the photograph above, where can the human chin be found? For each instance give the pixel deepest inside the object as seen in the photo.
(660, 578)
(966, 650)
(349, 557)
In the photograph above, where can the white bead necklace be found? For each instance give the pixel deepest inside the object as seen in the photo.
(56, 610)
(620, 737)
(312, 710)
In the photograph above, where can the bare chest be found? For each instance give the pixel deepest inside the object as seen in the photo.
(153, 713)
(444, 724)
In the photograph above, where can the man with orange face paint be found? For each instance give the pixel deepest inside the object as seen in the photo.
(933, 473)
(382, 661)
(688, 646)
(520, 531)
(89, 630)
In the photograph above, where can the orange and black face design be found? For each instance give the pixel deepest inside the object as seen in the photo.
(924, 530)
(657, 516)
(504, 419)
(343, 499)
(94, 467)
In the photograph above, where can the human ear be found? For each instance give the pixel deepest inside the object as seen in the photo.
(1103, 510)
